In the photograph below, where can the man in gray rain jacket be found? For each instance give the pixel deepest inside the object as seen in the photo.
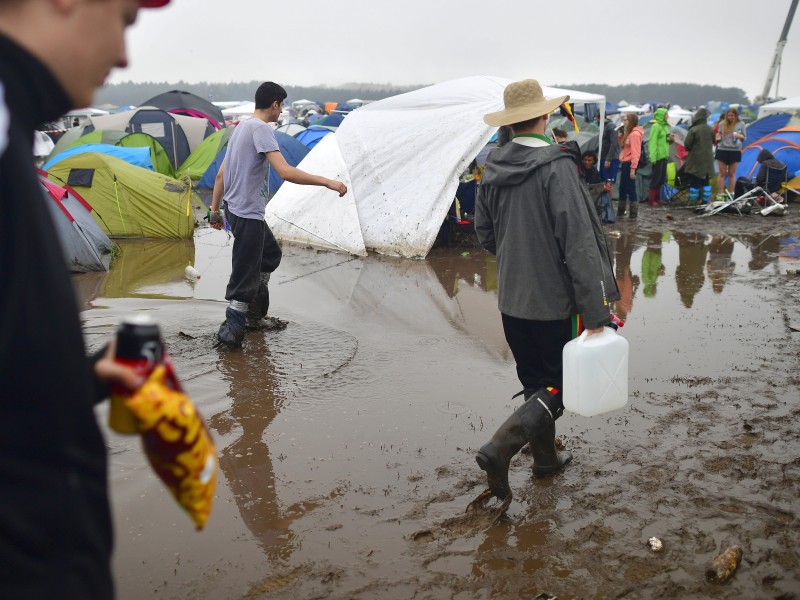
(554, 270)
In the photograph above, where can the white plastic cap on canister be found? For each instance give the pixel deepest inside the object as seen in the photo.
(191, 273)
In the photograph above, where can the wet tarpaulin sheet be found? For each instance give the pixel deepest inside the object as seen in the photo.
(400, 158)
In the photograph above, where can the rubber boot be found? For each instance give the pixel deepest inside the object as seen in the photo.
(705, 194)
(634, 210)
(547, 459)
(257, 309)
(231, 332)
(622, 208)
(694, 196)
(652, 197)
(495, 456)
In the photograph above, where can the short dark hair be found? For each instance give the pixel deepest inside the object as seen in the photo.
(526, 124)
(269, 92)
(557, 132)
(590, 153)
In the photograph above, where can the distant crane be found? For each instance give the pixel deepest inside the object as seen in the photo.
(776, 59)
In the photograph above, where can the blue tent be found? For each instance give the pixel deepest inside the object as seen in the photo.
(331, 120)
(139, 157)
(206, 182)
(311, 136)
(762, 127)
(784, 145)
(292, 150)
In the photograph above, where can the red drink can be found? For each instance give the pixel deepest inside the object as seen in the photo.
(140, 347)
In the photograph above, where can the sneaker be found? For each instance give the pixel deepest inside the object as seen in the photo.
(231, 332)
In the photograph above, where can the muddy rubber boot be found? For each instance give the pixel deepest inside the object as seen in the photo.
(634, 210)
(622, 208)
(231, 332)
(257, 309)
(495, 456)
(547, 459)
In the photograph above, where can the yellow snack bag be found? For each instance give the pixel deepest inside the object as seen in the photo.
(176, 441)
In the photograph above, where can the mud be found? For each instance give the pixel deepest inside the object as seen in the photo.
(346, 438)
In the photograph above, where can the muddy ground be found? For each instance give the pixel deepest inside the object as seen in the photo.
(346, 438)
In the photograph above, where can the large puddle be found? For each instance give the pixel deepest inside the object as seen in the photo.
(346, 439)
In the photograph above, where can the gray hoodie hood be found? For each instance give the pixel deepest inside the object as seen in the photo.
(512, 164)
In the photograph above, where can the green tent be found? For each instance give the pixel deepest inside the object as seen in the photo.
(158, 155)
(128, 201)
(198, 161)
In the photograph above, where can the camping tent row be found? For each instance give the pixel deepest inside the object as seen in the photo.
(400, 158)
(177, 135)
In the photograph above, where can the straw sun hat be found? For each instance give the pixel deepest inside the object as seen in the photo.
(524, 100)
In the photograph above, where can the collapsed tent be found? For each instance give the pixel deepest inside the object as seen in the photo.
(186, 103)
(400, 158)
(83, 243)
(178, 134)
(129, 201)
(784, 144)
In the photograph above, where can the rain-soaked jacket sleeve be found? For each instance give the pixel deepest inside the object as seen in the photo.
(484, 227)
(580, 238)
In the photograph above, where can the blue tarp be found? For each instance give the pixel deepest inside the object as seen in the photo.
(139, 157)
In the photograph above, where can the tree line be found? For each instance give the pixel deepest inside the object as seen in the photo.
(685, 94)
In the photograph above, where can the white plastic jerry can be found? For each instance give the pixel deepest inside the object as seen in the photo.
(595, 373)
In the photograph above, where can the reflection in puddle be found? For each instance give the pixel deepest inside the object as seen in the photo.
(150, 269)
(356, 425)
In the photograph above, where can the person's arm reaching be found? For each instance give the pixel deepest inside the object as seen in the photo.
(216, 197)
(295, 175)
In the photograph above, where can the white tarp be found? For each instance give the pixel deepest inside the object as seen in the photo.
(789, 105)
(400, 158)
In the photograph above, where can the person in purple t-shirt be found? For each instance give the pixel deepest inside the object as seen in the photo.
(256, 253)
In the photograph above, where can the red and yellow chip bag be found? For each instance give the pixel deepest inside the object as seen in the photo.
(176, 441)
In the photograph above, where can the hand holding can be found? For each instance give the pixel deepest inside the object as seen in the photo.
(139, 347)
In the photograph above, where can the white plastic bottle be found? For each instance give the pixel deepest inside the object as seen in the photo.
(596, 373)
(191, 273)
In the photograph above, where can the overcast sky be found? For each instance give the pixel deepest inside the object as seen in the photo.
(308, 42)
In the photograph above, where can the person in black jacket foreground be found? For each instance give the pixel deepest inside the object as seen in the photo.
(55, 525)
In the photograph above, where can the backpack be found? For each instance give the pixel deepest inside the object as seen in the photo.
(644, 157)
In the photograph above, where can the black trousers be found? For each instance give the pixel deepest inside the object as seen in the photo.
(255, 251)
(659, 174)
(537, 347)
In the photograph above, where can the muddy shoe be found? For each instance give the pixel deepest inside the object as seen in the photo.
(231, 332)
(495, 456)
